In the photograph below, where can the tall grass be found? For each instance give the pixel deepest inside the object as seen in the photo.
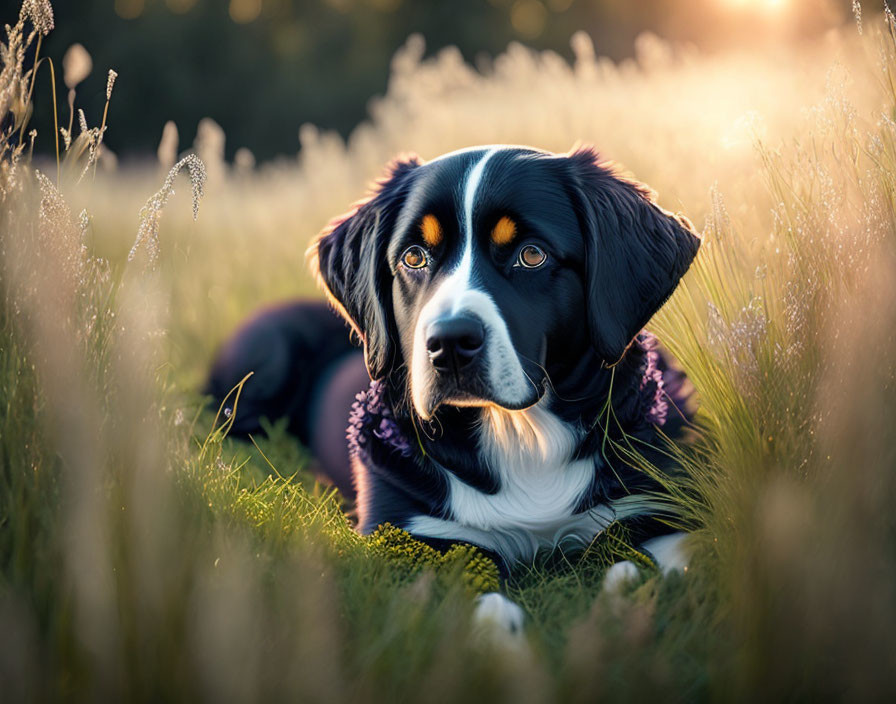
(145, 556)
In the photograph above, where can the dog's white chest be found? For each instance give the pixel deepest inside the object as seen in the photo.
(540, 487)
(536, 494)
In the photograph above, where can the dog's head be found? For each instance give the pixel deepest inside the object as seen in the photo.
(486, 271)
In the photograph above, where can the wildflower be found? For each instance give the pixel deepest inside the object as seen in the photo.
(371, 415)
(653, 397)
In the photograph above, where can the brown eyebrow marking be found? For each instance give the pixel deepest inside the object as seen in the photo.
(431, 229)
(504, 231)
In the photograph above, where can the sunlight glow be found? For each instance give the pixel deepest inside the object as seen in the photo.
(528, 18)
(128, 9)
(766, 5)
(245, 11)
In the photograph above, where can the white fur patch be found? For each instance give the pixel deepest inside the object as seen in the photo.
(529, 452)
(498, 624)
(670, 552)
(620, 574)
(458, 294)
(496, 610)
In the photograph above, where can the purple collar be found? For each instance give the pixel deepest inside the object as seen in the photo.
(371, 414)
(652, 388)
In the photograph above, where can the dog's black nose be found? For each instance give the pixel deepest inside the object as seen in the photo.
(454, 343)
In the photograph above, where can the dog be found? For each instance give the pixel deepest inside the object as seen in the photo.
(499, 295)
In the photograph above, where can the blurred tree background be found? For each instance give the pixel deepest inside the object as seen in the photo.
(261, 68)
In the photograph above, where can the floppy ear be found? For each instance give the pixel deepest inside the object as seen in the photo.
(636, 253)
(349, 258)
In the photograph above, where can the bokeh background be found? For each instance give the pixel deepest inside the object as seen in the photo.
(146, 556)
(261, 68)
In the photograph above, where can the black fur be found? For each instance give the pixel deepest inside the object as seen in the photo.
(351, 259)
(614, 258)
(636, 253)
(288, 348)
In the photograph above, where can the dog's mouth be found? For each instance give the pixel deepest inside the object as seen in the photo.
(475, 393)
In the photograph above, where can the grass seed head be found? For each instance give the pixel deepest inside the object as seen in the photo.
(110, 83)
(150, 215)
(76, 65)
(40, 12)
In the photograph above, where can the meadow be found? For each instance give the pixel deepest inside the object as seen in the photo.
(146, 556)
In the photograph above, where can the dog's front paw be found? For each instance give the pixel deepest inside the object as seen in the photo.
(494, 610)
(499, 621)
(619, 575)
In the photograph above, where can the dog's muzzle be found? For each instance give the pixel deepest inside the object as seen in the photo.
(463, 356)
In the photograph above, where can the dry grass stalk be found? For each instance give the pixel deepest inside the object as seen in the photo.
(14, 99)
(148, 233)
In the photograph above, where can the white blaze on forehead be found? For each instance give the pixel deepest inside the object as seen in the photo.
(460, 277)
(456, 294)
(474, 178)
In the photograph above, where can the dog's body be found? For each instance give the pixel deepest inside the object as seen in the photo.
(499, 294)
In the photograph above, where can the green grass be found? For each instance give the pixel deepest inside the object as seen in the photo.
(146, 556)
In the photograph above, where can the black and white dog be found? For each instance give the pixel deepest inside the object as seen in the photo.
(500, 295)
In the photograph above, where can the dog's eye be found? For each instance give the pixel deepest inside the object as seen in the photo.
(414, 257)
(531, 257)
